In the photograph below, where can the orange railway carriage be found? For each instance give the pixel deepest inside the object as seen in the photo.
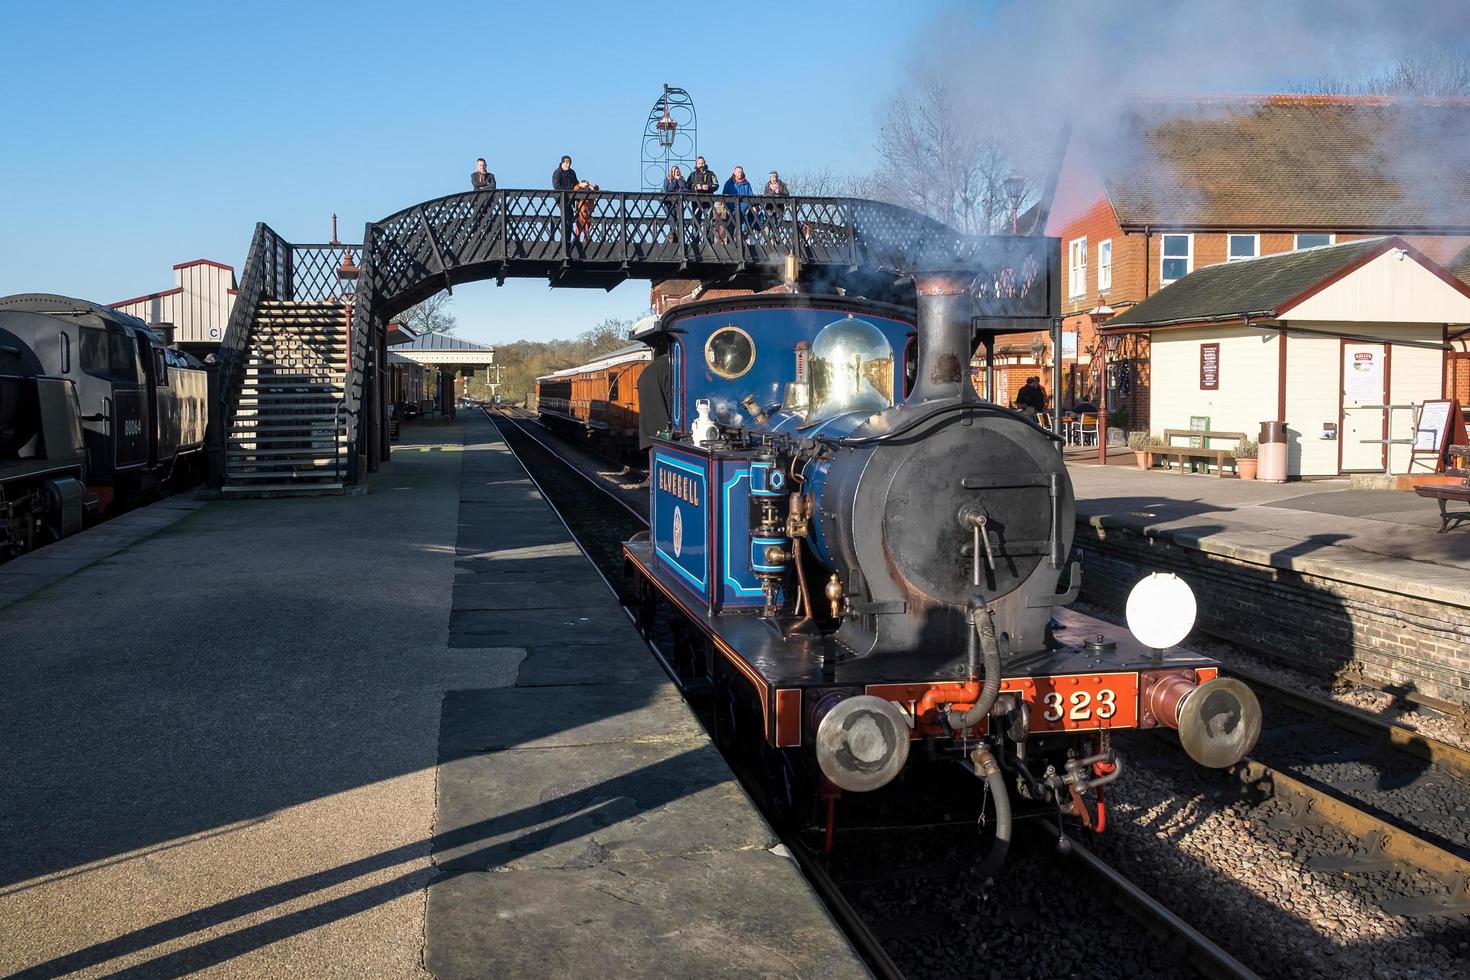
(596, 402)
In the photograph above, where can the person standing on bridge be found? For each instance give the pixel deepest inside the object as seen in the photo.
(702, 181)
(738, 186)
(482, 179)
(674, 184)
(564, 178)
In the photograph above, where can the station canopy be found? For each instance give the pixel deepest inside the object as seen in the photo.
(442, 349)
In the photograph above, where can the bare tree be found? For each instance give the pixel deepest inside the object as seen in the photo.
(1432, 73)
(824, 181)
(942, 157)
(430, 316)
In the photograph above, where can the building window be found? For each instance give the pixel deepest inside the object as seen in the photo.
(1176, 258)
(1077, 267)
(1243, 247)
(1105, 266)
(1313, 241)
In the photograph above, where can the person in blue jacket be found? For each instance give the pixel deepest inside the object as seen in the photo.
(737, 185)
(674, 184)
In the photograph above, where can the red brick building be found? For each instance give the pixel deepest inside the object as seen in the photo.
(1180, 184)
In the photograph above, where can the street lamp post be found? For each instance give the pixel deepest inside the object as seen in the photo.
(1015, 188)
(1110, 345)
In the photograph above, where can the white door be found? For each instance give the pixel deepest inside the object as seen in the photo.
(1364, 397)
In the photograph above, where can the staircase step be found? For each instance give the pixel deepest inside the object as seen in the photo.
(279, 474)
(284, 489)
(311, 452)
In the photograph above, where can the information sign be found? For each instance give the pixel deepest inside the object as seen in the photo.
(1437, 426)
(1209, 367)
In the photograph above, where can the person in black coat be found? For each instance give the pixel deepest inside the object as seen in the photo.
(564, 178)
(482, 179)
(1031, 398)
(655, 399)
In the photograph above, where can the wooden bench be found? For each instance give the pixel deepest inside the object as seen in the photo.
(1186, 453)
(1445, 492)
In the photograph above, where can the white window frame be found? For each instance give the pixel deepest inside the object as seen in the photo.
(1104, 265)
(1255, 248)
(1296, 240)
(1077, 267)
(1188, 256)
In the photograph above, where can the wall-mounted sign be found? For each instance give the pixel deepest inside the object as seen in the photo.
(1362, 374)
(1209, 367)
(1069, 344)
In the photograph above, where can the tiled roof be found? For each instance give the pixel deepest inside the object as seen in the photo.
(1289, 163)
(1255, 287)
(439, 341)
(1459, 266)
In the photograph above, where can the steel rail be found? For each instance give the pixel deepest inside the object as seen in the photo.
(1414, 743)
(1203, 953)
(600, 485)
(867, 945)
(1394, 841)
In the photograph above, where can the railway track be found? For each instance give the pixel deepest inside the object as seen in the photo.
(931, 915)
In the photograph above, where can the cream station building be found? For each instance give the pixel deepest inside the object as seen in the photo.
(195, 311)
(1344, 343)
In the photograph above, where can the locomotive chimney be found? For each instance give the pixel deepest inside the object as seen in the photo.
(945, 339)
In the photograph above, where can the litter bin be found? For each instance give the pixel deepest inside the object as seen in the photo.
(1271, 465)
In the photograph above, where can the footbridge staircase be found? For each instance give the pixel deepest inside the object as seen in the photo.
(304, 355)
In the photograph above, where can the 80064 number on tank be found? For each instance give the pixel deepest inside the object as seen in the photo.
(860, 556)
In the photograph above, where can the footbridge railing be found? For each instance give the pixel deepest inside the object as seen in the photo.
(600, 238)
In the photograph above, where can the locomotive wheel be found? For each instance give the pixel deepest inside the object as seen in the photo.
(726, 712)
(788, 785)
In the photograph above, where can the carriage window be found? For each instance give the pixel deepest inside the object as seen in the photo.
(612, 388)
(729, 352)
(109, 355)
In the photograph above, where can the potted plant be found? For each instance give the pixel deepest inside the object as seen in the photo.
(1245, 459)
(1141, 443)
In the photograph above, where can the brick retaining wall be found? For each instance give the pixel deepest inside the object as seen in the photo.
(1325, 625)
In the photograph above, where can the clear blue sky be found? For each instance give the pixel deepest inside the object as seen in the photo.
(137, 135)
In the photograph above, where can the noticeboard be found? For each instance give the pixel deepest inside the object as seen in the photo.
(1198, 423)
(1436, 425)
(1209, 367)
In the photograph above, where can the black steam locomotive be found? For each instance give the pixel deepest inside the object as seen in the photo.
(96, 412)
(859, 555)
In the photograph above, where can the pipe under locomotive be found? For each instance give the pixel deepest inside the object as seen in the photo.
(872, 557)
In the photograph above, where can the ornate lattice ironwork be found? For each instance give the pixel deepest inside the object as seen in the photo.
(670, 137)
(600, 239)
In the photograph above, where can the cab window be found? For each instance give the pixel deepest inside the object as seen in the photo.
(108, 354)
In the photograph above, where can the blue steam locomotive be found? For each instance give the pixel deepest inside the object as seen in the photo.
(857, 555)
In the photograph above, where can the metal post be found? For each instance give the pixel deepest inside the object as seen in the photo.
(1102, 404)
(1056, 377)
(989, 339)
(371, 406)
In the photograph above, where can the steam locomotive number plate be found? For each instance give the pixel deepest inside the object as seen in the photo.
(1080, 702)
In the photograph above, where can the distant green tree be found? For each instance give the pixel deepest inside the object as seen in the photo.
(523, 361)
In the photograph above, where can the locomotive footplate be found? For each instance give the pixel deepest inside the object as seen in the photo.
(1099, 679)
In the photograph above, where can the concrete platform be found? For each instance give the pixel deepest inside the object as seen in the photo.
(260, 738)
(1356, 583)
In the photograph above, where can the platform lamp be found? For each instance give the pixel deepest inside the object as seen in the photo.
(1111, 342)
(1015, 188)
(666, 126)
